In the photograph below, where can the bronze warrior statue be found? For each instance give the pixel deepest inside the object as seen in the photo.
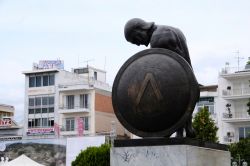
(140, 32)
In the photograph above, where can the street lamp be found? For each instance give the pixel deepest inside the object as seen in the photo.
(241, 162)
(228, 105)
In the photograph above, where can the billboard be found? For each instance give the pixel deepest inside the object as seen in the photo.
(40, 131)
(49, 64)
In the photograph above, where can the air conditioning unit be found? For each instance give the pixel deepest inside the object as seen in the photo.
(230, 134)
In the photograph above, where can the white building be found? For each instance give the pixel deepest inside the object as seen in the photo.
(234, 94)
(9, 129)
(60, 103)
(208, 99)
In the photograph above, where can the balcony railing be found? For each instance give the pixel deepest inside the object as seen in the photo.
(236, 92)
(230, 70)
(236, 115)
(227, 139)
(67, 107)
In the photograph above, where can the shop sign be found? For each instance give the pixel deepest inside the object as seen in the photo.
(5, 122)
(40, 131)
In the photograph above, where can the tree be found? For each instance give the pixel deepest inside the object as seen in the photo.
(241, 150)
(93, 156)
(204, 126)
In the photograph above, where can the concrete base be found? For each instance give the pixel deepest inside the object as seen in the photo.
(168, 155)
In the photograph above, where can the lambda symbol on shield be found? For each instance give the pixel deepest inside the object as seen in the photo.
(148, 91)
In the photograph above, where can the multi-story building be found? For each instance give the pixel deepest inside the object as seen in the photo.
(234, 92)
(60, 103)
(9, 129)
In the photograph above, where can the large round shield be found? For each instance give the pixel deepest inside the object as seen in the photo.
(154, 93)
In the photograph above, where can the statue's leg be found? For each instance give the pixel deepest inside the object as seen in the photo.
(179, 133)
(190, 132)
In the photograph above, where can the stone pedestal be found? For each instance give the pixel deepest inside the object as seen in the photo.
(175, 152)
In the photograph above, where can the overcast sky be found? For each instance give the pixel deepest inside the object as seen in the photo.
(79, 30)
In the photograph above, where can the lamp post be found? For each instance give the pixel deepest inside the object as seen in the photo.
(240, 161)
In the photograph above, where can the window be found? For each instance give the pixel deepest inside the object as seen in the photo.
(85, 123)
(44, 101)
(244, 132)
(32, 82)
(51, 79)
(40, 106)
(31, 123)
(70, 124)
(81, 71)
(38, 101)
(44, 110)
(31, 102)
(51, 100)
(210, 108)
(31, 111)
(84, 101)
(95, 75)
(38, 81)
(45, 122)
(41, 80)
(70, 102)
(51, 122)
(37, 122)
(51, 109)
(40, 122)
(45, 80)
(38, 110)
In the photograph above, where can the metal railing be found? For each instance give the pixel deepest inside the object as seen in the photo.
(230, 70)
(236, 115)
(66, 107)
(68, 128)
(228, 139)
(236, 92)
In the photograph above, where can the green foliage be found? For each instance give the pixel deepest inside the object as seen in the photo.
(204, 126)
(241, 149)
(94, 156)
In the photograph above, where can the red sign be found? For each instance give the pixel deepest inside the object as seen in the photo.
(80, 126)
(57, 129)
(40, 131)
(5, 122)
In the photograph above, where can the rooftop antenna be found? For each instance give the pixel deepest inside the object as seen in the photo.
(78, 61)
(105, 63)
(87, 61)
(238, 58)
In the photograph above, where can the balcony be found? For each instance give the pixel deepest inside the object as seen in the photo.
(65, 131)
(228, 140)
(75, 86)
(236, 117)
(73, 109)
(236, 93)
(234, 72)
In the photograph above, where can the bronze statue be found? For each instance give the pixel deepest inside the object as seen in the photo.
(140, 32)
